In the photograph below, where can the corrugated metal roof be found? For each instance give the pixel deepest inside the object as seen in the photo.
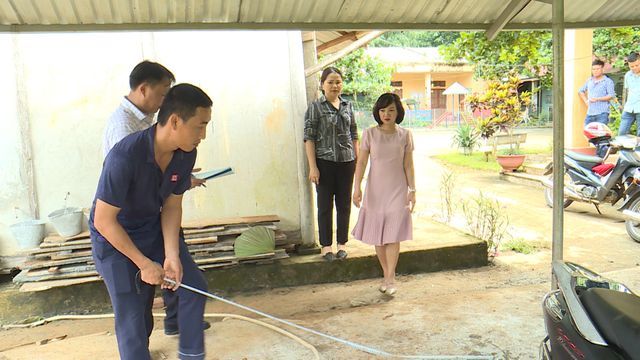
(62, 15)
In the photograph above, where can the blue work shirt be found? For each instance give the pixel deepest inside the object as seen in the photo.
(132, 181)
(632, 84)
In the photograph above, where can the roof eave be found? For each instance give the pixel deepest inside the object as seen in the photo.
(302, 26)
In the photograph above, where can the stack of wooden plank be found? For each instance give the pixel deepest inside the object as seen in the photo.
(67, 261)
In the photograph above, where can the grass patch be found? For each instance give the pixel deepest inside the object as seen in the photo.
(537, 150)
(523, 246)
(474, 161)
(478, 161)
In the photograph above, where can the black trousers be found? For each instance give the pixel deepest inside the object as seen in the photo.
(336, 181)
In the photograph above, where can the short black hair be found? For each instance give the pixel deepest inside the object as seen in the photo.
(149, 72)
(183, 100)
(597, 62)
(328, 71)
(385, 100)
(633, 57)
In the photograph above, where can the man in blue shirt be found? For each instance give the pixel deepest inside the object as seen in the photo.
(596, 94)
(149, 82)
(631, 96)
(135, 224)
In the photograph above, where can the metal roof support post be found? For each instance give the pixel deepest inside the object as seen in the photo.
(558, 131)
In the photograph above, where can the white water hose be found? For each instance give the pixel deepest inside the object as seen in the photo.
(206, 315)
(357, 346)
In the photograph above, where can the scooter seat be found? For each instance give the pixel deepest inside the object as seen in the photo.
(616, 315)
(583, 158)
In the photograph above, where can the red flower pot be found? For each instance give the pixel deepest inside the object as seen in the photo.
(510, 162)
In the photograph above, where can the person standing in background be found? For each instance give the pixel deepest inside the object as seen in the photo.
(631, 96)
(331, 142)
(596, 94)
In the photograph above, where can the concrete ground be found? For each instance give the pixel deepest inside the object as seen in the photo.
(490, 310)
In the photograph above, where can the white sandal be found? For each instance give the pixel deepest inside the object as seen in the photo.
(391, 290)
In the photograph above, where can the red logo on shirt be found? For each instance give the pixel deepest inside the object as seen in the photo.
(174, 178)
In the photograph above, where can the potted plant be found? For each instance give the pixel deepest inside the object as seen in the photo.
(466, 138)
(505, 105)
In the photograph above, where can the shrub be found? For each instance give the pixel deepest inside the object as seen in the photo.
(486, 220)
(504, 103)
(466, 137)
(615, 115)
(447, 184)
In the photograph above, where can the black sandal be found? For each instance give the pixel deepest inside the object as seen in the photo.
(329, 256)
(341, 255)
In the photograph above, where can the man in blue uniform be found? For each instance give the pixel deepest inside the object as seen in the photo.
(149, 82)
(135, 223)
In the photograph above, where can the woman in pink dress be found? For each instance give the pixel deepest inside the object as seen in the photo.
(390, 195)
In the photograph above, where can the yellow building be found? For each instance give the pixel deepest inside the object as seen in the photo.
(421, 76)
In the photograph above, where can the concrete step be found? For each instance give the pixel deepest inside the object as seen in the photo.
(449, 250)
(523, 178)
(534, 168)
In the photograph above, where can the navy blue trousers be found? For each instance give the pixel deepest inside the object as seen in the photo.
(170, 299)
(132, 304)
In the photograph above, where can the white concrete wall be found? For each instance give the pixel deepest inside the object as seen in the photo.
(14, 196)
(75, 81)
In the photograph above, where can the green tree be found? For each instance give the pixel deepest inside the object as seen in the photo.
(527, 52)
(530, 52)
(365, 78)
(614, 44)
(415, 39)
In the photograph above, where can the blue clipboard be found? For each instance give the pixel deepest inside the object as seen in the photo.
(207, 175)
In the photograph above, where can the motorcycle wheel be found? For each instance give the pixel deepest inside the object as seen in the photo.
(633, 227)
(548, 194)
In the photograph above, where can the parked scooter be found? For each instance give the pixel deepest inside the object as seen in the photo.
(589, 317)
(591, 180)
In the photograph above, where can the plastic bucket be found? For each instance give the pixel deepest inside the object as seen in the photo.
(28, 234)
(67, 221)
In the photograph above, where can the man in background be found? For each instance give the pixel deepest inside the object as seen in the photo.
(596, 94)
(631, 96)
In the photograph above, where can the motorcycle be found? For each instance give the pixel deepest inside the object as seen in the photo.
(589, 317)
(590, 179)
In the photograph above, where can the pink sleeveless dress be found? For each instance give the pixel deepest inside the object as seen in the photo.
(384, 216)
